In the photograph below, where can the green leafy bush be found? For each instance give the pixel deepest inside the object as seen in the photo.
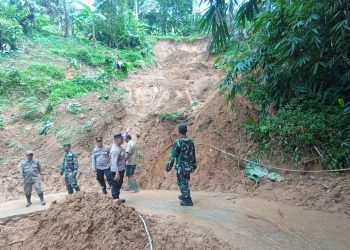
(74, 108)
(46, 69)
(86, 126)
(45, 129)
(10, 33)
(172, 116)
(29, 110)
(299, 129)
(74, 88)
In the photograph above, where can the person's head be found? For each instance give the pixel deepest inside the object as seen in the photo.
(127, 138)
(29, 155)
(99, 141)
(183, 129)
(66, 147)
(118, 138)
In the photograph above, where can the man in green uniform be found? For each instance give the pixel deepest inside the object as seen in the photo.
(69, 169)
(184, 153)
(30, 171)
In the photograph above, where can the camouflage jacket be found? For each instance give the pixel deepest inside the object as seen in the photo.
(70, 163)
(184, 153)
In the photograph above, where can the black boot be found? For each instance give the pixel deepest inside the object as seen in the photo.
(29, 203)
(70, 190)
(41, 196)
(77, 189)
(186, 202)
(104, 190)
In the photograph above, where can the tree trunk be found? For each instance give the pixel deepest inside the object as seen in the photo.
(93, 36)
(66, 19)
(136, 10)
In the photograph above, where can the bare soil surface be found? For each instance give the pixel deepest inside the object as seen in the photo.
(217, 221)
(183, 75)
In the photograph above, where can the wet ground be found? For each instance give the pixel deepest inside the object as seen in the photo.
(242, 223)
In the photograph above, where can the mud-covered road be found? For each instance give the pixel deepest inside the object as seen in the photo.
(246, 223)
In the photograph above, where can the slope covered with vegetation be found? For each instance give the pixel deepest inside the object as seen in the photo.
(292, 60)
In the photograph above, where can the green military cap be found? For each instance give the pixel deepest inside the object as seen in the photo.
(66, 144)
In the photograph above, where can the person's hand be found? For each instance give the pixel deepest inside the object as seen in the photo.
(61, 173)
(117, 177)
(75, 174)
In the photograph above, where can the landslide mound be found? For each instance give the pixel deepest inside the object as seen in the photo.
(213, 124)
(88, 221)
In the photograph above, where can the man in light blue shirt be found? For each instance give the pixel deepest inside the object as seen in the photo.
(118, 162)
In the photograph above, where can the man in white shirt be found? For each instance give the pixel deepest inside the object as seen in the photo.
(118, 162)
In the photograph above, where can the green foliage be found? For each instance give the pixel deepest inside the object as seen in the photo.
(35, 79)
(10, 33)
(74, 108)
(29, 110)
(86, 126)
(47, 70)
(171, 116)
(293, 58)
(45, 129)
(74, 88)
(2, 121)
(300, 128)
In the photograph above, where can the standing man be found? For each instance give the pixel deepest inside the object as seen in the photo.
(118, 161)
(184, 153)
(131, 157)
(69, 168)
(30, 171)
(101, 164)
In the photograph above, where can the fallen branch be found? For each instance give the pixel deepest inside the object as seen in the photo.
(150, 242)
(271, 167)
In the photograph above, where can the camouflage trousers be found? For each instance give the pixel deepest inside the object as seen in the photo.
(71, 182)
(28, 187)
(182, 182)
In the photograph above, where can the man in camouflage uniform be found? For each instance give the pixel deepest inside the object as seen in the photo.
(30, 171)
(69, 168)
(101, 164)
(184, 153)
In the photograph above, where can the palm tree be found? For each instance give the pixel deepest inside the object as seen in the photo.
(90, 17)
(219, 15)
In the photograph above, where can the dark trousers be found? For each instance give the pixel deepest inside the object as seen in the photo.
(117, 185)
(100, 176)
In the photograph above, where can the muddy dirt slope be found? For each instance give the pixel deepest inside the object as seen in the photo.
(183, 74)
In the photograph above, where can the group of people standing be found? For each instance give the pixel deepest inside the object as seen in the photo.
(110, 162)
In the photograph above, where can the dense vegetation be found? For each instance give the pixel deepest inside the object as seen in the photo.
(292, 59)
(53, 50)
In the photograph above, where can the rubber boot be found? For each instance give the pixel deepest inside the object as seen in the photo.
(41, 196)
(29, 203)
(186, 202)
(129, 186)
(134, 187)
(77, 189)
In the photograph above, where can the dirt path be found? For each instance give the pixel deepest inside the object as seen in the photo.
(243, 223)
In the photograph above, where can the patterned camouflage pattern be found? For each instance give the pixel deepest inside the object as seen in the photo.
(69, 169)
(184, 153)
